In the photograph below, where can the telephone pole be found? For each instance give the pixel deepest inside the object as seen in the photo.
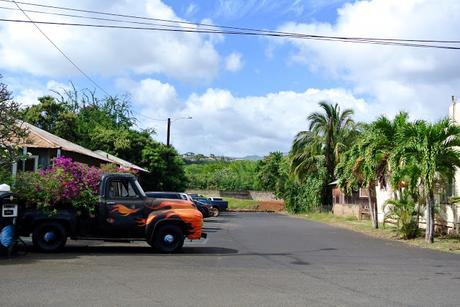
(168, 131)
(168, 137)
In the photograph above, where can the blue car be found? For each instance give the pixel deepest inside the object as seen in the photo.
(217, 203)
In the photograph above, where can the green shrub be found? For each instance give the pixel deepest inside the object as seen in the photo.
(5, 177)
(222, 175)
(300, 196)
(404, 212)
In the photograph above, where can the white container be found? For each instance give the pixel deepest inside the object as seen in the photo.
(5, 188)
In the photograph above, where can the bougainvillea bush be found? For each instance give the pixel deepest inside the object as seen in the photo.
(65, 183)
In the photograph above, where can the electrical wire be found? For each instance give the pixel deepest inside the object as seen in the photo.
(151, 118)
(61, 51)
(218, 27)
(295, 36)
(92, 18)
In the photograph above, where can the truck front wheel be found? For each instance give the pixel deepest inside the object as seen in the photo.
(168, 238)
(49, 237)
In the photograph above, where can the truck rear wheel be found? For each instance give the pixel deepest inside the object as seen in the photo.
(215, 211)
(49, 237)
(168, 238)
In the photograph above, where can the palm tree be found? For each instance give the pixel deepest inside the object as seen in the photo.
(369, 161)
(329, 134)
(434, 146)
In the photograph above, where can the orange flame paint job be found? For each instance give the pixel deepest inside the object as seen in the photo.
(123, 210)
(177, 210)
(191, 217)
(141, 222)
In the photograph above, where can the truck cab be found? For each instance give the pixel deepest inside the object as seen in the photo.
(123, 213)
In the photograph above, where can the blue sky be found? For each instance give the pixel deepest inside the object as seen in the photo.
(247, 95)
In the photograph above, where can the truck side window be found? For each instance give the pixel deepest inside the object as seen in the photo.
(121, 189)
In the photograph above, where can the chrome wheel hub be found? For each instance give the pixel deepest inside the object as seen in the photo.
(49, 236)
(169, 239)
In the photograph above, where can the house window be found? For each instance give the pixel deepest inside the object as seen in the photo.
(28, 165)
(363, 192)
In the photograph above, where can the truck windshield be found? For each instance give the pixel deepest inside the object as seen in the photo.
(139, 188)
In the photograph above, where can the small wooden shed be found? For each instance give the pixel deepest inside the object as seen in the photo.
(355, 204)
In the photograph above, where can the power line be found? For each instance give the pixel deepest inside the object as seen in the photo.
(90, 17)
(296, 36)
(151, 118)
(61, 51)
(218, 27)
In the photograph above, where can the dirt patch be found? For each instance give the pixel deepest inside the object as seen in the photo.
(270, 205)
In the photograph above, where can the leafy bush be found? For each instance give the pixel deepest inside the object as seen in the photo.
(5, 177)
(300, 196)
(404, 212)
(67, 182)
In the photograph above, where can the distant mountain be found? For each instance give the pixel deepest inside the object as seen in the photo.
(249, 158)
(191, 157)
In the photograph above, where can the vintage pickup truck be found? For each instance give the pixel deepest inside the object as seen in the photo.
(123, 214)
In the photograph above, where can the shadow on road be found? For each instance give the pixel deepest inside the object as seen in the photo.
(77, 251)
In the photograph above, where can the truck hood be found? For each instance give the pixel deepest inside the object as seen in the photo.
(156, 204)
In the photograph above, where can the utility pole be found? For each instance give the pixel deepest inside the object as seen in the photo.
(168, 133)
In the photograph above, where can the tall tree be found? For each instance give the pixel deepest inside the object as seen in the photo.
(374, 159)
(268, 171)
(370, 161)
(166, 169)
(52, 116)
(330, 133)
(11, 131)
(107, 124)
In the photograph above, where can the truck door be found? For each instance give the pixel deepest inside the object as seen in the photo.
(122, 212)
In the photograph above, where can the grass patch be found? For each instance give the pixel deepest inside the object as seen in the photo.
(442, 243)
(241, 204)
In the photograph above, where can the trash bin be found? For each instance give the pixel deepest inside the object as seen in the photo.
(9, 213)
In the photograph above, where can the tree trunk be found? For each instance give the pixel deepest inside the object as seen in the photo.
(372, 206)
(429, 232)
(326, 198)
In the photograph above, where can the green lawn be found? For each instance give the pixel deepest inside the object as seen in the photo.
(447, 244)
(241, 204)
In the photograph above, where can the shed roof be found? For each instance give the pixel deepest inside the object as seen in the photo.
(39, 138)
(120, 161)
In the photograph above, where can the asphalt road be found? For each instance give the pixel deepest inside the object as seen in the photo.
(251, 259)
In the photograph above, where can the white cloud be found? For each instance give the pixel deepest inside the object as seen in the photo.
(184, 56)
(414, 79)
(27, 92)
(234, 62)
(225, 124)
(150, 94)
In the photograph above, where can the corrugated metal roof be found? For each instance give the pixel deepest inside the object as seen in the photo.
(120, 161)
(39, 138)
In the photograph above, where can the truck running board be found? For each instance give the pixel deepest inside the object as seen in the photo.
(119, 240)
